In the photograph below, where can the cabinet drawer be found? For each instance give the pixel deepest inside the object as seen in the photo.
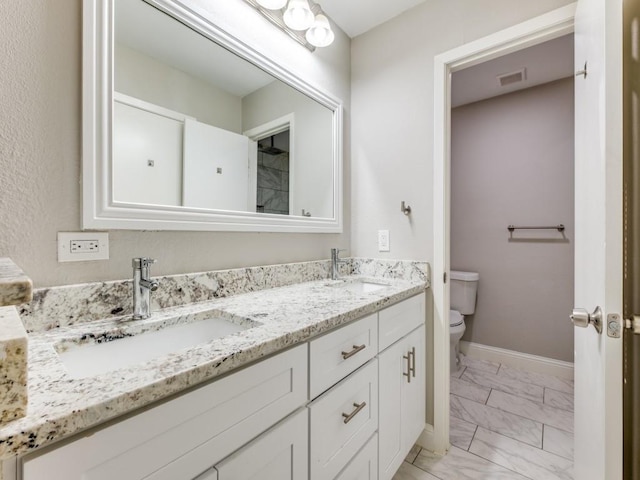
(364, 465)
(182, 438)
(398, 320)
(337, 354)
(342, 420)
(281, 453)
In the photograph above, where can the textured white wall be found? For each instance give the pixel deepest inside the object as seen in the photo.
(392, 123)
(40, 165)
(512, 163)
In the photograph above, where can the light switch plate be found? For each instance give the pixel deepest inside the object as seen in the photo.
(83, 246)
(383, 240)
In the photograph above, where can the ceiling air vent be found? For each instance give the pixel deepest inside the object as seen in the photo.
(512, 77)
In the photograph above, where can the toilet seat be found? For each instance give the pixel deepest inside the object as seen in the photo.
(455, 318)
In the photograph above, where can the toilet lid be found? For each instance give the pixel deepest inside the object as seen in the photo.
(455, 318)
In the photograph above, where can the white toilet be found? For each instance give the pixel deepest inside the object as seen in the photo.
(464, 287)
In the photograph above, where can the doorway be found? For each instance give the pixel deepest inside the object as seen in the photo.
(547, 27)
(511, 200)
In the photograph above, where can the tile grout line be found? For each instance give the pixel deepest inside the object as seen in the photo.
(519, 396)
(544, 396)
(427, 471)
(542, 403)
(501, 466)
(504, 411)
(510, 393)
(532, 419)
(473, 438)
(416, 457)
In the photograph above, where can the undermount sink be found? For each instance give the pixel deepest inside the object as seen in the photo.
(360, 286)
(132, 345)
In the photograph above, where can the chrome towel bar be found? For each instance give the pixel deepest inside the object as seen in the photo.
(560, 228)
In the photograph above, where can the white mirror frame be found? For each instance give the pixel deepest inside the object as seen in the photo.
(100, 211)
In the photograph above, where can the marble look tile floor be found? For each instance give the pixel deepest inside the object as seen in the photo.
(506, 424)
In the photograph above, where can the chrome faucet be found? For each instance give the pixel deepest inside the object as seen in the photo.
(335, 261)
(142, 286)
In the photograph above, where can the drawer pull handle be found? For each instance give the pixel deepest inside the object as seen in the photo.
(349, 416)
(356, 349)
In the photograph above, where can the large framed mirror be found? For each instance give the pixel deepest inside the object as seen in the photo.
(187, 128)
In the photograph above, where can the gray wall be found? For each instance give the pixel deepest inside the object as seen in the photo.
(512, 163)
(392, 103)
(40, 140)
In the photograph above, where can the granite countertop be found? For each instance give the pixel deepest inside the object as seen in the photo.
(60, 406)
(15, 286)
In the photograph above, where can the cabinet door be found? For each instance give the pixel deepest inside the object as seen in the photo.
(391, 383)
(364, 465)
(279, 454)
(414, 392)
(402, 400)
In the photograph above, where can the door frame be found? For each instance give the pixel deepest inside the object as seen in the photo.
(540, 29)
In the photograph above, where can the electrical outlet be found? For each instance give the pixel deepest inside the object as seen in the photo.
(83, 246)
(383, 240)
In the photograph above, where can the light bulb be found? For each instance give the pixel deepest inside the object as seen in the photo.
(298, 15)
(272, 4)
(320, 34)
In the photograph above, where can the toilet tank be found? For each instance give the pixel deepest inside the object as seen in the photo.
(464, 287)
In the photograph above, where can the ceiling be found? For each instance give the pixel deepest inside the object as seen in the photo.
(357, 16)
(544, 63)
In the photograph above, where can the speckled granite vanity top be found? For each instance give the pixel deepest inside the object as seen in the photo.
(302, 305)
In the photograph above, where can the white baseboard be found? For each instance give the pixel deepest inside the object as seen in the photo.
(430, 442)
(525, 361)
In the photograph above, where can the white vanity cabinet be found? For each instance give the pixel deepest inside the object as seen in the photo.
(347, 405)
(183, 437)
(402, 380)
(280, 454)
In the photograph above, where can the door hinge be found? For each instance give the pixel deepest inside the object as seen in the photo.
(633, 323)
(444, 277)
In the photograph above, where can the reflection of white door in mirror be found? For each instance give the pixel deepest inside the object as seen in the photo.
(216, 168)
(147, 153)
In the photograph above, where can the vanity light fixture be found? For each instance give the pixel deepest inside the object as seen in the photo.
(303, 20)
(272, 4)
(298, 15)
(320, 33)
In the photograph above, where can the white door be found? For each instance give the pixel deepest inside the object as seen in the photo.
(598, 243)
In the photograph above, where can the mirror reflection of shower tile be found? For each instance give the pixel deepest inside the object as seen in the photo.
(275, 201)
(269, 178)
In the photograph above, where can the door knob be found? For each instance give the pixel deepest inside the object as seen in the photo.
(582, 318)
